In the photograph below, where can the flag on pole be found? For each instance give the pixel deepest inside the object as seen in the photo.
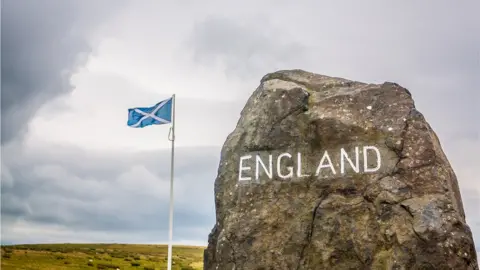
(159, 114)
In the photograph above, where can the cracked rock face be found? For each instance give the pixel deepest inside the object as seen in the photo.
(328, 173)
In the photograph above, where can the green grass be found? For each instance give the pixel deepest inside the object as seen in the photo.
(99, 256)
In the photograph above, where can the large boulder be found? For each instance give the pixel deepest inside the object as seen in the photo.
(328, 173)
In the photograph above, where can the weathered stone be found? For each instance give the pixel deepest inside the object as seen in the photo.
(309, 202)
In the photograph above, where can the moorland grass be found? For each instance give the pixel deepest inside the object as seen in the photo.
(99, 256)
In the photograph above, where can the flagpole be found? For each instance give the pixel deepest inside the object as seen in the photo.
(170, 239)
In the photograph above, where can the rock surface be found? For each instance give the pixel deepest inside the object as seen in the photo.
(305, 202)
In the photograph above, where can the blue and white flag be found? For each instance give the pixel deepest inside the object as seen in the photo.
(159, 114)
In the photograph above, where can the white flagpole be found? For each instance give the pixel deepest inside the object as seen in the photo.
(169, 266)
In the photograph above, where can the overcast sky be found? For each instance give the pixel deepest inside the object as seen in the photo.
(73, 171)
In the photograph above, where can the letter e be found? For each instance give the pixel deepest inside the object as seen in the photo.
(242, 168)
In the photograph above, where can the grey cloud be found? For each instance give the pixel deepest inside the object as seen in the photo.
(109, 192)
(244, 48)
(43, 42)
(370, 40)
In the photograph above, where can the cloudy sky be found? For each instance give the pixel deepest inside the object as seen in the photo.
(73, 171)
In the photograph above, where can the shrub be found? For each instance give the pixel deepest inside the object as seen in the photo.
(127, 259)
(135, 264)
(90, 263)
(7, 256)
(107, 266)
(118, 255)
(66, 262)
(136, 258)
(149, 268)
(60, 257)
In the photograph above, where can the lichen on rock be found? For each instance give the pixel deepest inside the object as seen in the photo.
(329, 173)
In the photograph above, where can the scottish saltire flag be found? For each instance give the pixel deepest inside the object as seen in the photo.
(159, 114)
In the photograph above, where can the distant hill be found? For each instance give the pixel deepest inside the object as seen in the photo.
(99, 256)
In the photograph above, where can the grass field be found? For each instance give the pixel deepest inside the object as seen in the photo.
(99, 256)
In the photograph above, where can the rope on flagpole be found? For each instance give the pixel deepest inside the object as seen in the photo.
(170, 137)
